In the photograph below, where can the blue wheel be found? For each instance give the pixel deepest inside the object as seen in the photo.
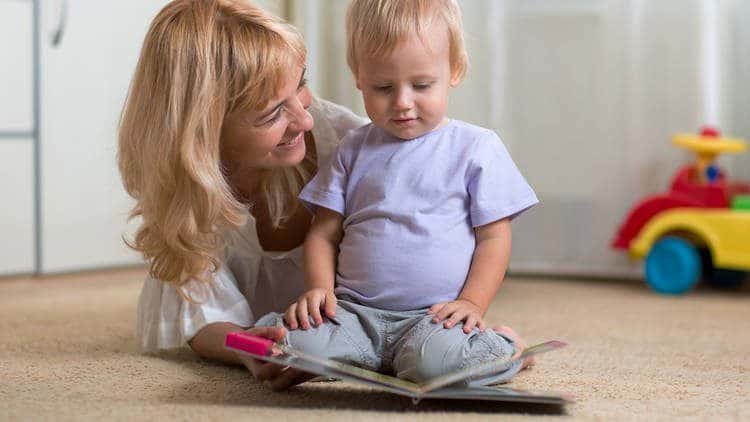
(673, 266)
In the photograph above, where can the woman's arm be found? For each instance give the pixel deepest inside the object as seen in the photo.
(209, 343)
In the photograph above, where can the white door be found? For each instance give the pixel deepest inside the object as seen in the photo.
(16, 66)
(84, 80)
(16, 138)
(17, 205)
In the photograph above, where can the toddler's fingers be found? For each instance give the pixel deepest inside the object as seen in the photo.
(330, 305)
(445, 312)
(290, 317)
(458, 315)
(481, 325)
(313, 306)
(435, 308)
(470, 323)
(302, 315)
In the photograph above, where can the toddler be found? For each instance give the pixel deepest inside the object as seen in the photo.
(411, 235)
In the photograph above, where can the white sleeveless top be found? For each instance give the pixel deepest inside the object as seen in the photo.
(251, 282)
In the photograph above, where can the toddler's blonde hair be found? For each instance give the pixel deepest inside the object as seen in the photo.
(375, 27)
(201, 61)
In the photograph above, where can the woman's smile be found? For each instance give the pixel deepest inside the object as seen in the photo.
(291, 143)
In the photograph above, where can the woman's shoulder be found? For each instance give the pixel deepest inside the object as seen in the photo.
(334, 120)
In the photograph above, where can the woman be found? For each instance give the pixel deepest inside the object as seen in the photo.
(216, 140)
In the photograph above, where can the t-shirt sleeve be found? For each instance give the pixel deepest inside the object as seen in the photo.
(497, 189)
(328, 188)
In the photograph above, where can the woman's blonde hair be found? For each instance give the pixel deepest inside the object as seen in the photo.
(375, 27)
(201, 61)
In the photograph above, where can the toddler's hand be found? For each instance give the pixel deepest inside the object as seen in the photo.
(309, 304)
(455, 311)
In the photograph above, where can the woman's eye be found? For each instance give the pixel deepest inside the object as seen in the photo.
(273, 119)
(302, 84)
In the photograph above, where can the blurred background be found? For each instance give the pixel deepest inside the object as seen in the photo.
(586, 95)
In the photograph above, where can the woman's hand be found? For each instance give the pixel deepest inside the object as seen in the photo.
(455, 311)
(277, 377)
(309, 304)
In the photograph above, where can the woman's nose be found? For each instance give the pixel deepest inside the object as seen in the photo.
(301, 118)
(304, 122)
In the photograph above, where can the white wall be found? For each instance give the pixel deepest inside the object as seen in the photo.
(586, 94)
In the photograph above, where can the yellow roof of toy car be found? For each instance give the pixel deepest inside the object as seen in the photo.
(708, 144)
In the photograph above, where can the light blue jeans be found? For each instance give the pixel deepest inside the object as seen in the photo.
(405, 343)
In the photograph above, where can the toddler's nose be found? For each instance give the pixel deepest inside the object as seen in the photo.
(403, 100)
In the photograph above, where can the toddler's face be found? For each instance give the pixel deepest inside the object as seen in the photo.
(406, 92)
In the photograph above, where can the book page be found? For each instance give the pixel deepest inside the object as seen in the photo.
(331, 368)
(285, 356)
(487, 367)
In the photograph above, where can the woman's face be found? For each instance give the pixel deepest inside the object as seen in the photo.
(272, 137)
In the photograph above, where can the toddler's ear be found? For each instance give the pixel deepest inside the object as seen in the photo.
(455, 80)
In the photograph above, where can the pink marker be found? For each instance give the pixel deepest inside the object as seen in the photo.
(252, 344)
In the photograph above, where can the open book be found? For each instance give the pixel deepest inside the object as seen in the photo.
(248, 345)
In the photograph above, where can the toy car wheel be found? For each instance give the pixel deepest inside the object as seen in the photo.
(673, 266)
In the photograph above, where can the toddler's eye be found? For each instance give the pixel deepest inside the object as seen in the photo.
(383, 88)
(422, 87)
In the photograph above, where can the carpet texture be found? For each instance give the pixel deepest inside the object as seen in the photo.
(67, 353)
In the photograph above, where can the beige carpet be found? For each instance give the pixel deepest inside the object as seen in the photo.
(67, 352)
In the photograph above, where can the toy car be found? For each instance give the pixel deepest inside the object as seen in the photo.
(700, 228)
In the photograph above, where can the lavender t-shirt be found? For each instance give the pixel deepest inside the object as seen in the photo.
(409, 207)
